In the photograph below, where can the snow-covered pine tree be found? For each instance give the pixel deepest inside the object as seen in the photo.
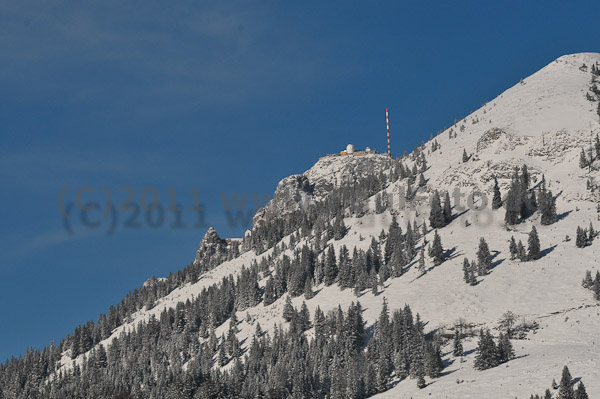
(512, 247)
(533, 245)
(447, 208)
(525, 177)
(583, 161)
(436, 213)
(484, 258)
(457, 348)
(339, 228)
(422, 260)
(565, 389)
(580, 238)
(409, 191)
(512, 203)
(521, 252)
(472, 278)
(308, 288)
(421, 181)
(331, 270)
(465, 157)
(505, 349)
(409, 242)
(588, 282)
(486, 353)
(547, 206)
(436, 250)
(466, 271)
(288, 309)
(497, 197)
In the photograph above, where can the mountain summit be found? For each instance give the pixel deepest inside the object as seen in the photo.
(454, 271)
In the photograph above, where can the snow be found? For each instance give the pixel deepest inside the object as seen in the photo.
(543, 121)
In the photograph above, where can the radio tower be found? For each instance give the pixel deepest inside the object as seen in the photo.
(387, 122)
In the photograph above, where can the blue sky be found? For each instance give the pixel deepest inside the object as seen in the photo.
(225, 98)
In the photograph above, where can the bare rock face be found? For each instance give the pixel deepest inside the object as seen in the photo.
(299, 191)
(491, 137)
(211, 247)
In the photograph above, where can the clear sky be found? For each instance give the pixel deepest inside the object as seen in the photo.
(223, 98)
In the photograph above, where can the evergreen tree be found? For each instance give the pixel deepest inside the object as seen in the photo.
(581, 393)
(581, 238)
(339, 228)
(565, 389)
(588, 282)
(486, 353)
(512, 204)
(308, 288)
(524, 177)
(288, 309)
(547, 207)
(457, 346)
(421, 182)
(472, 278)
(497, 198)
(521, 253)
(331, 270)
(436, 215)
(466, 271)
(484, 258)
(583, 161)
(514, 251)
(420, 373)
(505, 348)
(304, 317)
(447, 209)
(533, 245)
(422, 260)
(465, 157)
(437, 251)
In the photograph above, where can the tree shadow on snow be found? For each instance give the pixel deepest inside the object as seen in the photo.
(451, 254)
(448, 362)
(458, 215)
(547, 250)
(445, 373)
(563, 215)
(498, 262)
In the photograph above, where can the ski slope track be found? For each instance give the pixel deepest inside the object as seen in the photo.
(542, 121)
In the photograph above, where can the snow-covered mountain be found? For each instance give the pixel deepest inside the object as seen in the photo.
(543, 122)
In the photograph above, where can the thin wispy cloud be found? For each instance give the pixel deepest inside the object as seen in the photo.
(216, 54)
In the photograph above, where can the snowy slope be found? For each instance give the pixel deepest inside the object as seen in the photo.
(543, 121)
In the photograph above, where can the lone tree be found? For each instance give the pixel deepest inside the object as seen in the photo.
(436, 214)
(497, 199)
(484, 259)
(465, 157)
(533, 245)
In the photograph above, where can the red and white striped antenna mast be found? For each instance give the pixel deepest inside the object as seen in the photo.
(387, 122)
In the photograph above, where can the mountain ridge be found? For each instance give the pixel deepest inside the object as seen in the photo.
(543, 122)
